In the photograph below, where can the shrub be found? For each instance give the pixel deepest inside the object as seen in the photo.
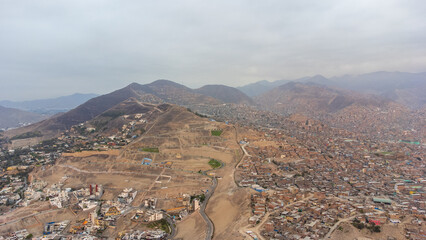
(217, 132)
(214, 163)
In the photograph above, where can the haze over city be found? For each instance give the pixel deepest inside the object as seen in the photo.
(218, 120)
(56, 48)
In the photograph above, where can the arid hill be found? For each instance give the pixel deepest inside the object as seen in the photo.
(11, 117)
(225, 94)
(112, 120)
(402, 87)
(312, 99)
(161, 91)
(352, 111)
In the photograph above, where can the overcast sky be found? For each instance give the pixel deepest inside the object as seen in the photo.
(53, 48)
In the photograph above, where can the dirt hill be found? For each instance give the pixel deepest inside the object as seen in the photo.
(11, 117)
(161, 91)
(225, 94)
(312, 99)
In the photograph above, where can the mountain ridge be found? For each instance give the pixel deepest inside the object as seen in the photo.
(157, 92)
(12, 118)
(50, 106)
(402, 87)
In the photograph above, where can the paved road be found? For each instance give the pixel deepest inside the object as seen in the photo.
(172, 226)
(210, 226)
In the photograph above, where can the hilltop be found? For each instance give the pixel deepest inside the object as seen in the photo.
(225, 94)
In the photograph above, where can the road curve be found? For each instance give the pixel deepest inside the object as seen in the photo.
(173, 233)
(210, 226)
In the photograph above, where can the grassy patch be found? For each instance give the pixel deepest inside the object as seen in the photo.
(216, 132)
(27, 135)
(214, 163)
(149, 149)
(384, 154)
(161, 224)
(200, 197)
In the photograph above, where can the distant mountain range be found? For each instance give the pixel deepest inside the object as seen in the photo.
(12, 118)
(345, 109)
(313, 99)
(364, 96)
(405, 88)
(50, 106)
(401, 87)
(160, 91)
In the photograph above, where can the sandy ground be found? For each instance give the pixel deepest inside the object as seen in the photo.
(178, 133)
(22, 212)
(25, 142)
(192, 227)
(113, 152)
(350, 232)
(229, 212)
(35, 224)
(229, 207)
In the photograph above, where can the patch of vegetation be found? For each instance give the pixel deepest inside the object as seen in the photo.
(112, 114)
(201, 197)
(4, 140)
(48, 142)
(297, 175)
(216, 132)
(150, 149)
(379, 154)
(100, 124)
(374, 228)
(356, 223)
(27, 135)
(214, 163)
(161, 224)
(196, 113)
(81, 130)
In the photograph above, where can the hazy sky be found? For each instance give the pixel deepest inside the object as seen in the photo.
(53, 48)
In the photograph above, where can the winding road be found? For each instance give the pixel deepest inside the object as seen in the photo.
(210, 226)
